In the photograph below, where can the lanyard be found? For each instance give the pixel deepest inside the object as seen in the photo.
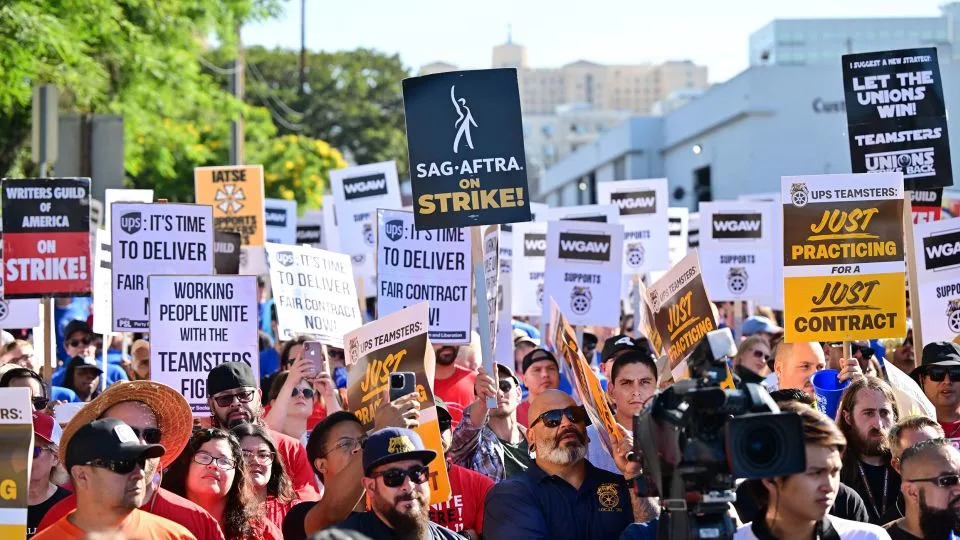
(883, 501)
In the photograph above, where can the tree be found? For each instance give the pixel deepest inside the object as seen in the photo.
(297, 167)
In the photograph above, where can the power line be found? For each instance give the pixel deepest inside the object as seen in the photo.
(257, 74)
(279, 118)
(217, 69)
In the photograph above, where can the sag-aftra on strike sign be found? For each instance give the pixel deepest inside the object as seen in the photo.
(465, 141)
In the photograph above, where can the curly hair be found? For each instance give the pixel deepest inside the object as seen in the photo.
(279, 484)
(239, 513)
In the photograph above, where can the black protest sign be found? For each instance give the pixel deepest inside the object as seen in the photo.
(465, 142)
(896, 116)
(226, 252)
(46, 241)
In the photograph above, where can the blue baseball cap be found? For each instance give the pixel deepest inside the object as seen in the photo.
(389, 445)
(756, 324)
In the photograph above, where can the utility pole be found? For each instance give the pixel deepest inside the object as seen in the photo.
(303, 47)
(237, 87)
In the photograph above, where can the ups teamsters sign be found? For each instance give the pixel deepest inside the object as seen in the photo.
(46, 240)
(843, 257)
(465, 142)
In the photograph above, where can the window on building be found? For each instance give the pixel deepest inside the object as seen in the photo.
(702, 185)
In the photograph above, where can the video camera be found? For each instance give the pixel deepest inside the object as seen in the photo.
(701, 434)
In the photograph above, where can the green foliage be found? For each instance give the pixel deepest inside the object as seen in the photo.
(297, 167)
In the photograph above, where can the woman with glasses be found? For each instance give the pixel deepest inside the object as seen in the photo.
(212, 473)
(751, 363)
(46, 472)
(299, 398)
(271, 487)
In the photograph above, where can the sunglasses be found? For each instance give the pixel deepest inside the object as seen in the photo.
(40, 403)
(505, 385)
(574, 413)
(947, 480)
(938, 373)
(150, 435)
(394, 477)
(78, 342)
(224, 463)
(307, 393)
(37, 450)
(759, 354)
(119, 466)
(227, 400)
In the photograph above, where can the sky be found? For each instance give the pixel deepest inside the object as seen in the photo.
(708, 32)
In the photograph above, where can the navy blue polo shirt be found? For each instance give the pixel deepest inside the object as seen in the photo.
(535, 505)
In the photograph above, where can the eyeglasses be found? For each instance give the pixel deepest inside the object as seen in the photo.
(348, 444)
(37, 450)
(947, 480)
(505, 385)
(938, 373)
(552, 418)
(227, 399)
(757, 353)
(203, 458)
(120, 466)
(150, 435)
(40, 403)
(394, 477)
(265, 458)
(78, 342)
(306, 392)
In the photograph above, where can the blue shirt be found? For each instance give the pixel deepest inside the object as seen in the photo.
(535, 505)
(641, 531)
(115, 373)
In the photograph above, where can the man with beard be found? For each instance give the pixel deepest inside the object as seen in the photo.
(452, 383)
(395, 477)
(562, 496)
(867, 411)
(106, 464)
(931, 492)
(491, 441)
(939, 377)
(233, 398)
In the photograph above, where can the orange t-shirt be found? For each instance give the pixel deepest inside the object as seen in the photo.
(139, 525)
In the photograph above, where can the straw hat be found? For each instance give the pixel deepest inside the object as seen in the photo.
(174, 417)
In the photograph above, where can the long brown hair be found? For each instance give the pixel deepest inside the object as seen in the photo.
(847, 403)
(279, 485)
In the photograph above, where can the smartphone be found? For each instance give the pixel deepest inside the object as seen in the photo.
(402, 383)
(313, 350)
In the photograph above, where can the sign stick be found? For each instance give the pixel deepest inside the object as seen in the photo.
(49, 342)
(635, 285)
(103, 360)
(483, 318)
(846, 352)
(911, 253)
(737, 316)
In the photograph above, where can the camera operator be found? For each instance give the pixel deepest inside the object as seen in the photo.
(931, 492)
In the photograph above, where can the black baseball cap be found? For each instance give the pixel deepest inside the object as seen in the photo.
(938, 353)
(389, 445)
(503, 369)
(108, 439)
(76, 325)
(229, 375)
(622, 342)
(443, 414)
(537, 355)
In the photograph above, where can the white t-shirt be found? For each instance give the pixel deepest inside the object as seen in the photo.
(848, 530)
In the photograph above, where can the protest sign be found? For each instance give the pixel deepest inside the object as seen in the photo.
(896, 116)
(486, 279)
(103, 282)
(16, 449)
(503, 344)
(843, 257)
(585, 381)
(583, 263)
(776, 225)
(198, 323)
(113, 195)
(397, 342)
(465, 142)
(154, 238)
(693, 231)
(677, 242)
(425, 266)
(642, 209)
(528, 265)
(236, 194)
(937, 247)
(96, 214)
(681, 312)
(737, 245)
(331, 234)
(314, 293)
(926, 204)
(226, 252)
(46, 240)
(280, 218)
(601, 213)
(310, 229)
(20, 313)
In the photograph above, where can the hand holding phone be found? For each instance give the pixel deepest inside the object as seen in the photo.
(402, 383)
(313, 351)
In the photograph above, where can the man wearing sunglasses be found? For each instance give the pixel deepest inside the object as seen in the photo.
(234, 399)
(562, 495)
(939, 376)
(395, 477)
(78, 341)
(931, 492)
(46, 473)
(106, 462)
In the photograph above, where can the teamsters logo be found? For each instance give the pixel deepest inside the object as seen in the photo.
(737, 279)
(580, 299)
(799, 194)
(540, 295)
(368, 236)
(354, 347)
(584, 247)
(635, 254)
(953, 316)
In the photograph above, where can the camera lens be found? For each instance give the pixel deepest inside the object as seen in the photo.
(764, 445)
(761, 447)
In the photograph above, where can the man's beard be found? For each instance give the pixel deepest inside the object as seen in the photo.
(867, 447)
(559, 455)
(938, 523)
(412, 524)
(445, 357)
(230, 423)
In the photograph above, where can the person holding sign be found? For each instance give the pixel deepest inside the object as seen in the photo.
(939, 376)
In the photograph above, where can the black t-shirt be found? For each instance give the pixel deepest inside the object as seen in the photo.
(35, 512)
(896, 533)
(882, 501)
(516, 457)
(293, 522)
(369, 524)
(847, 505)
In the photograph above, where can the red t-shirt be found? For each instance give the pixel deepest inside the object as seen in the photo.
(522, 409)
(165, 504)
(294, 458)
(274, 510)
(456, 391)
(951, 429)
(464, 510)
(270, 531)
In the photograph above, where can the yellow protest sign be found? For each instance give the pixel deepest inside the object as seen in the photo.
(843, 257)
(236, 194)
(16, 451)
(397, 342)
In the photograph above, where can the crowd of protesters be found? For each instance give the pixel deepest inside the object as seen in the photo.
(282, 457)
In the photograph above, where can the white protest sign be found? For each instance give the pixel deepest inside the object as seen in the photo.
(433, 265)
(642, 209)
(154, 238)
(314, 292)
(679, 219)
(538, 211)
(693, 231)
(102, 283)
(280, 217)
(310, 230)
(736, 244)
(529, 262)
(198, 323)
(583, 269)
(18, 312)
(938, 278)
(491, 276)
(503, 344)
(113, 195)
(777, 221)
(603, 213)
